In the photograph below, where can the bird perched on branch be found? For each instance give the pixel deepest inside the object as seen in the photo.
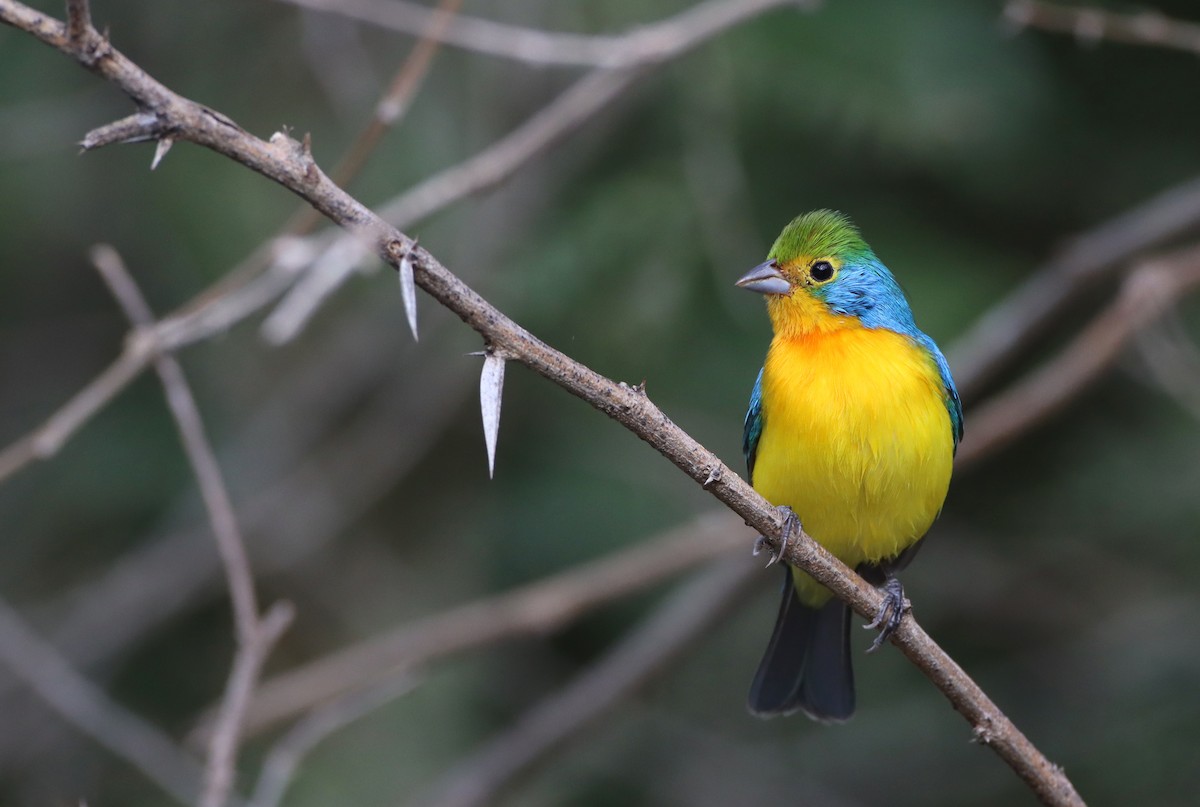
(852, 428)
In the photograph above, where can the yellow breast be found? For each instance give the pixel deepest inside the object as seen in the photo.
(856, 440)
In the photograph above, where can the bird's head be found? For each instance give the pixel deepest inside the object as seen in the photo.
(820, 275)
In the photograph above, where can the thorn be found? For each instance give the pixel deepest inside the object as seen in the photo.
(399, 254)
(160, 151)
(491, 384)
(714, 474)
(312, 174)
(136, 128)
(79, 20)
(408, 290)
(641, 387)
(983, 732)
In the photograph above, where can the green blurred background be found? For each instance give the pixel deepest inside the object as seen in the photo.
(1062, 575)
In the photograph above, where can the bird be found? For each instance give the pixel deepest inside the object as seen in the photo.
(851, 431)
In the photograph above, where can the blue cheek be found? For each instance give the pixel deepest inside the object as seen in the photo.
(844, 299)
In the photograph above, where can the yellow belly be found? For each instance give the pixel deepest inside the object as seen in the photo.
(856, 440)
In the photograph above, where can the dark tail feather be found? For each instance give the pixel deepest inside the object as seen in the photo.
(807, 664)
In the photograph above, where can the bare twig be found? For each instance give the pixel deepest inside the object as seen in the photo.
(643, 654)
(1090, 25)
(291, 164)
(1148, 292)
(535, 609)
(649, 43)
(86, 706)
(255, 638)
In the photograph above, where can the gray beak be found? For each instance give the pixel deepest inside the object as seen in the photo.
(765, 279)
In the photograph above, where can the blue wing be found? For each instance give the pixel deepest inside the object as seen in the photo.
(953, 404)
(753, 427)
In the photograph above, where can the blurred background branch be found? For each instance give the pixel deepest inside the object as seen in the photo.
(88, 708)
(255, 637)
(642, 654)
(537, 609)
(648, 43)
(1092, 24)
(1149, 291)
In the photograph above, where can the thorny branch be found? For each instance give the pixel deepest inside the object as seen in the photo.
(247, 288)
(995, 425)
(291, 165)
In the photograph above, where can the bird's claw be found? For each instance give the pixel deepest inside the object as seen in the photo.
(789, 527)
(890, 614)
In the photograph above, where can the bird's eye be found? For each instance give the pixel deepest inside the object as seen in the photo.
(821, 271)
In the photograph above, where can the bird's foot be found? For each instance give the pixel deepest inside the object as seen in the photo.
(790, 526)
(891, 612)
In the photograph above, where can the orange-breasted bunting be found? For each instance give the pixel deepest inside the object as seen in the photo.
(853, 424)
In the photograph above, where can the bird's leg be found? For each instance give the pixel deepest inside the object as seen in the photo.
(791, 526)
(891, 612)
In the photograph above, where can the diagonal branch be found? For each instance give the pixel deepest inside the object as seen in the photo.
(291, 164)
